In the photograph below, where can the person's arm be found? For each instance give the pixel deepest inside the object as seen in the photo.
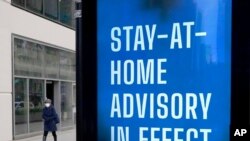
(46, 118)
(54, 113)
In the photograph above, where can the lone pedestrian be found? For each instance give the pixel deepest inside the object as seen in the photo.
(50, 118)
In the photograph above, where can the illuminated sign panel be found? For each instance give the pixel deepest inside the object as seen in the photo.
(164, 70)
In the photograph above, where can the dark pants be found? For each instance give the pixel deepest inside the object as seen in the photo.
(45, 133)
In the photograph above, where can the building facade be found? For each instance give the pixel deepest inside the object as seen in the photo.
(37, 50)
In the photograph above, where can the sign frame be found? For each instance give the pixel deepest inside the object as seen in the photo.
(86, 69)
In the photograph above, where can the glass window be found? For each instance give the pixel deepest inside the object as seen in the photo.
(51, 8)
(51, 62)
(19, 57)
(36, 98)
(66, 104)
(18, 2)
(36, 60)
(35, 5)
(67, 8)
(28, 58)
(21, 106)
(58, 10)
(67, 65)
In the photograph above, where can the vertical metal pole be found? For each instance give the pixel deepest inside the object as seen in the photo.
(86, 70)
(79, 78)
(28, 103)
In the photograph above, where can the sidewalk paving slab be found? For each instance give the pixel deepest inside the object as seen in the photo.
(68, 135)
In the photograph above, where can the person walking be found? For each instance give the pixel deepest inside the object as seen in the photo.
(50, 119)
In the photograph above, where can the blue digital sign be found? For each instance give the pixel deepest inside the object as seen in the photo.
(164, 70)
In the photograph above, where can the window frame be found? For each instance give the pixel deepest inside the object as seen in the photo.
(73, 27)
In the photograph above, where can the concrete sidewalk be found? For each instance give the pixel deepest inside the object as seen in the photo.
(68, 135)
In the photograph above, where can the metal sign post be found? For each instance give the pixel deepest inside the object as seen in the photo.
(86, 70)
(79, 97)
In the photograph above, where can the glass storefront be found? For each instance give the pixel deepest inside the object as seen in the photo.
(21, 106)
(41, 71)
(52, 63)
(37, 60)
(36, 98)
(67, 69)
(66, 104)
(28, 58)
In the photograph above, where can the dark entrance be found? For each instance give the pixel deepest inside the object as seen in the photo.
(50, 90)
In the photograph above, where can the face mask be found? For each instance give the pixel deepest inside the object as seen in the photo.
(47, 104)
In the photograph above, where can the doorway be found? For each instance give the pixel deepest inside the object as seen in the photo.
(50, 90)
(53, 93)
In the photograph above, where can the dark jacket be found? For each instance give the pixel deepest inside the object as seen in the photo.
(49, 115)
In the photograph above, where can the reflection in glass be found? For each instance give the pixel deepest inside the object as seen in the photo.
(21, 106)
(67, 12)
(36, 60)
(28, 58)
(66, 104)
(67, 65)
(35, 5)
(61, 11)
(18, 2)
(51, 8)
(19, 57)
(36, 97)
(51, 63)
